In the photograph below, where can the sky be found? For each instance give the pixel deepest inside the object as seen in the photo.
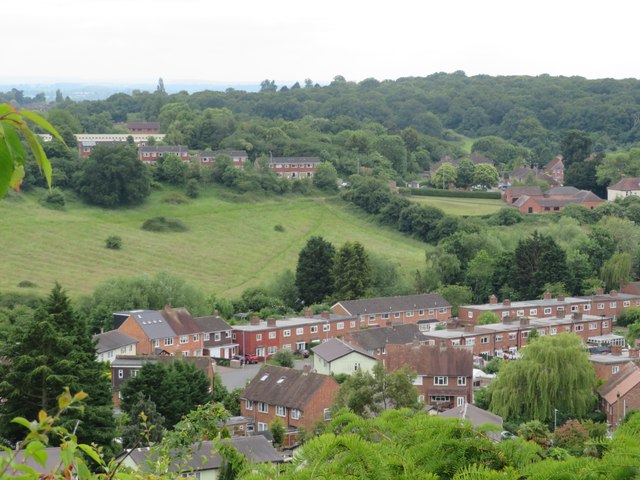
(247, 41)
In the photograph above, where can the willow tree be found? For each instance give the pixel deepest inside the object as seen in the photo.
(553, 373)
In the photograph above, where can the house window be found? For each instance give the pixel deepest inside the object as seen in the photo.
(185, 353)
(295, 414)
(327, 414)
(470, 341)
(460, 401)
(184, 339)
(440, 380)
(525, 334)
(462, 381)
(314, 329)
(520, 313)
(263, 407)
(286, 346)
(234, 335)
(615, 369)
(227, 334)
(593, 326)
(605, 324)
(613, 304)
(626, 303)
(286, 333)
(541, 331)
(469, 314)
(272, 349)
(574, 308)
(326, 327)
(579, 328)
(396, 315)
(408, 314)
(484, 339)
(206, 337)
(533, 311)
(601, 306)
(512, 336)
(356, 366)
(262, 427)
(553, 331)
(258, 337)
(432, 311)
(281, 411)
(498, 338)
(560, 309)
(272, 335)
(299, 331)
(385, 316)
(421, 312)
(196, 338)
(372, 318)
(547, 311)
(440, 398)
(120, 373)
(217, 336)
(156, 343)
(443, 310)
(168, 341)
(455, 342)
(340, 326)
(352, 324)
(506, 314)
(586, 307)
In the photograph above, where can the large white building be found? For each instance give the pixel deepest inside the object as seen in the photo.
(624, 188)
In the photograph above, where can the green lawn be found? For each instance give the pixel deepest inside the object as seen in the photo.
(230, 245)
(461, 206)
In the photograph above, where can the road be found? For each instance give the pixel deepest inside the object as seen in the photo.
(239, 377)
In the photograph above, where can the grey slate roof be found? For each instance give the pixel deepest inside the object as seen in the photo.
(335, 348)
(562, 191)
(152, 323)
(477, 416)
(288, 387)
(257, 449)
(295, 160)
(212, 324)
(372, 339)
(164, 149)
(394, 304)
(112, 340)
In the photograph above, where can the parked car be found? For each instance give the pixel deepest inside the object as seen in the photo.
(250, 358)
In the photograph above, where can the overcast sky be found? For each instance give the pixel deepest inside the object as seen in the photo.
(246, 41)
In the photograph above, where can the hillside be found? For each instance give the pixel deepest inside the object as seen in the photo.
(230, 245)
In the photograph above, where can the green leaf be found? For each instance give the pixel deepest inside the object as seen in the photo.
(36, 451)
(6, 167)
(91, 452)
(24, 422)
(41, 122)
(16, 150)
(83, 471)
(6, 108)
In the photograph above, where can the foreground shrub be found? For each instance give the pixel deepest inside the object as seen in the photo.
(113, 242)
(163, 224)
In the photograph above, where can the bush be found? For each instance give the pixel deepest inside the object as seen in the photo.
(192, 190)
(175, 198)
(279, 228)
(627, 318)
(163, 224)
(27, 284)
(114, 242)
(53, 199)
(507, 216)
(432, 192)
(284, 358)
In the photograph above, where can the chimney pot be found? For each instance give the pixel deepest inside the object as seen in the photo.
(616, 350)
(613, 293)
(506, 302)
(308, 313)
(255, 320)
(599, 291)
(546, 296)
(560, 298)
(271, 322)
(634, 353)
(493, 299)
(468, 328)
(326, 314)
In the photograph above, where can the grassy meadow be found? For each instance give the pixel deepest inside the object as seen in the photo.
(461, 206)
(231, 244)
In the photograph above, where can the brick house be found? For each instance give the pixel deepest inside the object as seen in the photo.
(151, 154)
(217, 337)
(238, 157)
(620, 394)
(126, 366)
(264, 338)
(607, 365)
(555, 168)
(85, 147)
(294, 167)
(509, 336)
(375, 340)
(396, 310)
(512, 194)
(112, 343)
(610, 305)
(143, 128)
(444, 373)
(555, 200)
(173, 330)
(298, 398)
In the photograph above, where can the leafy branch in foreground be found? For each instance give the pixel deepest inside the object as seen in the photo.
(13, 123)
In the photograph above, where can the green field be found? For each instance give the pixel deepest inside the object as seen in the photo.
(461, 206)
(230, 245)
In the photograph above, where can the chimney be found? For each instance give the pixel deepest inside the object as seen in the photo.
(493, 299)
(271, 322)
(634, 353)
(613, 293)
(560, 298)
(599, 291)
(507, 320)
(255, 320)
(468, 328)
(616, 350)
(506, 302)
(306, 369)
(326, 314)
(577, 316)
(524, 321)
(546, 296)
(451, 325)
(308, 313)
